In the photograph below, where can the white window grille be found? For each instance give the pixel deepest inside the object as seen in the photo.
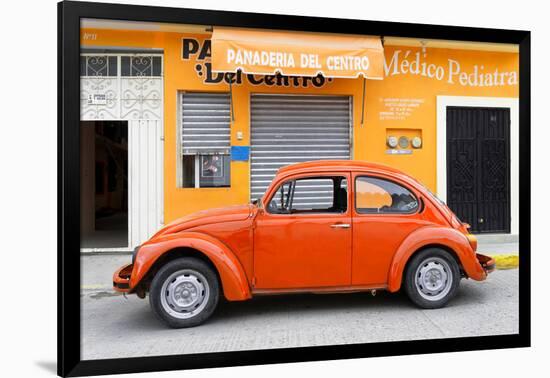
(121, 86)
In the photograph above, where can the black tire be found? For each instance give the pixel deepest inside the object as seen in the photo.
(443, 264)
(194, 270)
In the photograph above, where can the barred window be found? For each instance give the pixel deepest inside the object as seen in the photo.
(141, 65)
(130, 65)
(98, 65)
(205, 140)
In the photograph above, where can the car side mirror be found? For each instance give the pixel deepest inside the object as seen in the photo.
(254, 201)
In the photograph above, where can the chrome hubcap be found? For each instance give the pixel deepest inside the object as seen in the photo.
(433, 279)
(185, 294)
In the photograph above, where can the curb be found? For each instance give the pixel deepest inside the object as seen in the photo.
(508, 261)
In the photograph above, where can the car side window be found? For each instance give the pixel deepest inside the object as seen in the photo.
(379, 196)
(310, 195)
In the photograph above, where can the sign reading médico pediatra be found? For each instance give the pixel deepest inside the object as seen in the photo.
(409, 63)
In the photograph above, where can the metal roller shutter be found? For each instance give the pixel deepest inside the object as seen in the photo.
(288, 129)
(205, 123)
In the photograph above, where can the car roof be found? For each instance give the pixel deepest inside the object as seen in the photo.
(324, 165)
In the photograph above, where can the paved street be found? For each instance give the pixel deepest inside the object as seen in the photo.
(118, 327)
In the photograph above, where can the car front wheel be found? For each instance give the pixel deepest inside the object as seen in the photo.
(184, 292)
(431, 278)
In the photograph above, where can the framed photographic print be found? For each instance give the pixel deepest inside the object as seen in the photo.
(220, 170)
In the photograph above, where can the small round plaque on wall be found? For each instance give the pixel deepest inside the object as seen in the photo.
(392, 141)
(416, 142)
(403, 142)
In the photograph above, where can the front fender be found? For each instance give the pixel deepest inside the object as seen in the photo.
(233, 279)
(433, 235)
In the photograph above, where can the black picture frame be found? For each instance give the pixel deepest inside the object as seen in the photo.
(69, 331)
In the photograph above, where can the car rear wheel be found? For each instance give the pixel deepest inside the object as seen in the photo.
(431, 278)
(184, 292)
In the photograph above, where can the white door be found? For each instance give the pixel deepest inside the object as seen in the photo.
(145, 177)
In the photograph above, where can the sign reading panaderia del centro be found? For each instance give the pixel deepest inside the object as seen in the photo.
(296, 53)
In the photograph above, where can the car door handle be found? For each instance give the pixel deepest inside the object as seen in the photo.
(340, 225)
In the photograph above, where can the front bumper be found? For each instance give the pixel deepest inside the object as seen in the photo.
(121, 278)
(487, 263)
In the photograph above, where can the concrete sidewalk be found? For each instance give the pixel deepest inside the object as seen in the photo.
(497, 245)
(97, 269)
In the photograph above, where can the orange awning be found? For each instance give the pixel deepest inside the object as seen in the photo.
(267, 52)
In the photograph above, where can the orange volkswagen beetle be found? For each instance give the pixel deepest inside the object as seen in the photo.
(323, 226)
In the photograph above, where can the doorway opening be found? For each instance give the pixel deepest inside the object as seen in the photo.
(104, 184)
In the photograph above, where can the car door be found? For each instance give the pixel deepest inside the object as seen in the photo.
(385, 212)
(302, 239)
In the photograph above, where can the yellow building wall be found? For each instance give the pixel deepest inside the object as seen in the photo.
(404, 100)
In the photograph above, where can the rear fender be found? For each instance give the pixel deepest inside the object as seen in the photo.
(445, 237)
(232, 276)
